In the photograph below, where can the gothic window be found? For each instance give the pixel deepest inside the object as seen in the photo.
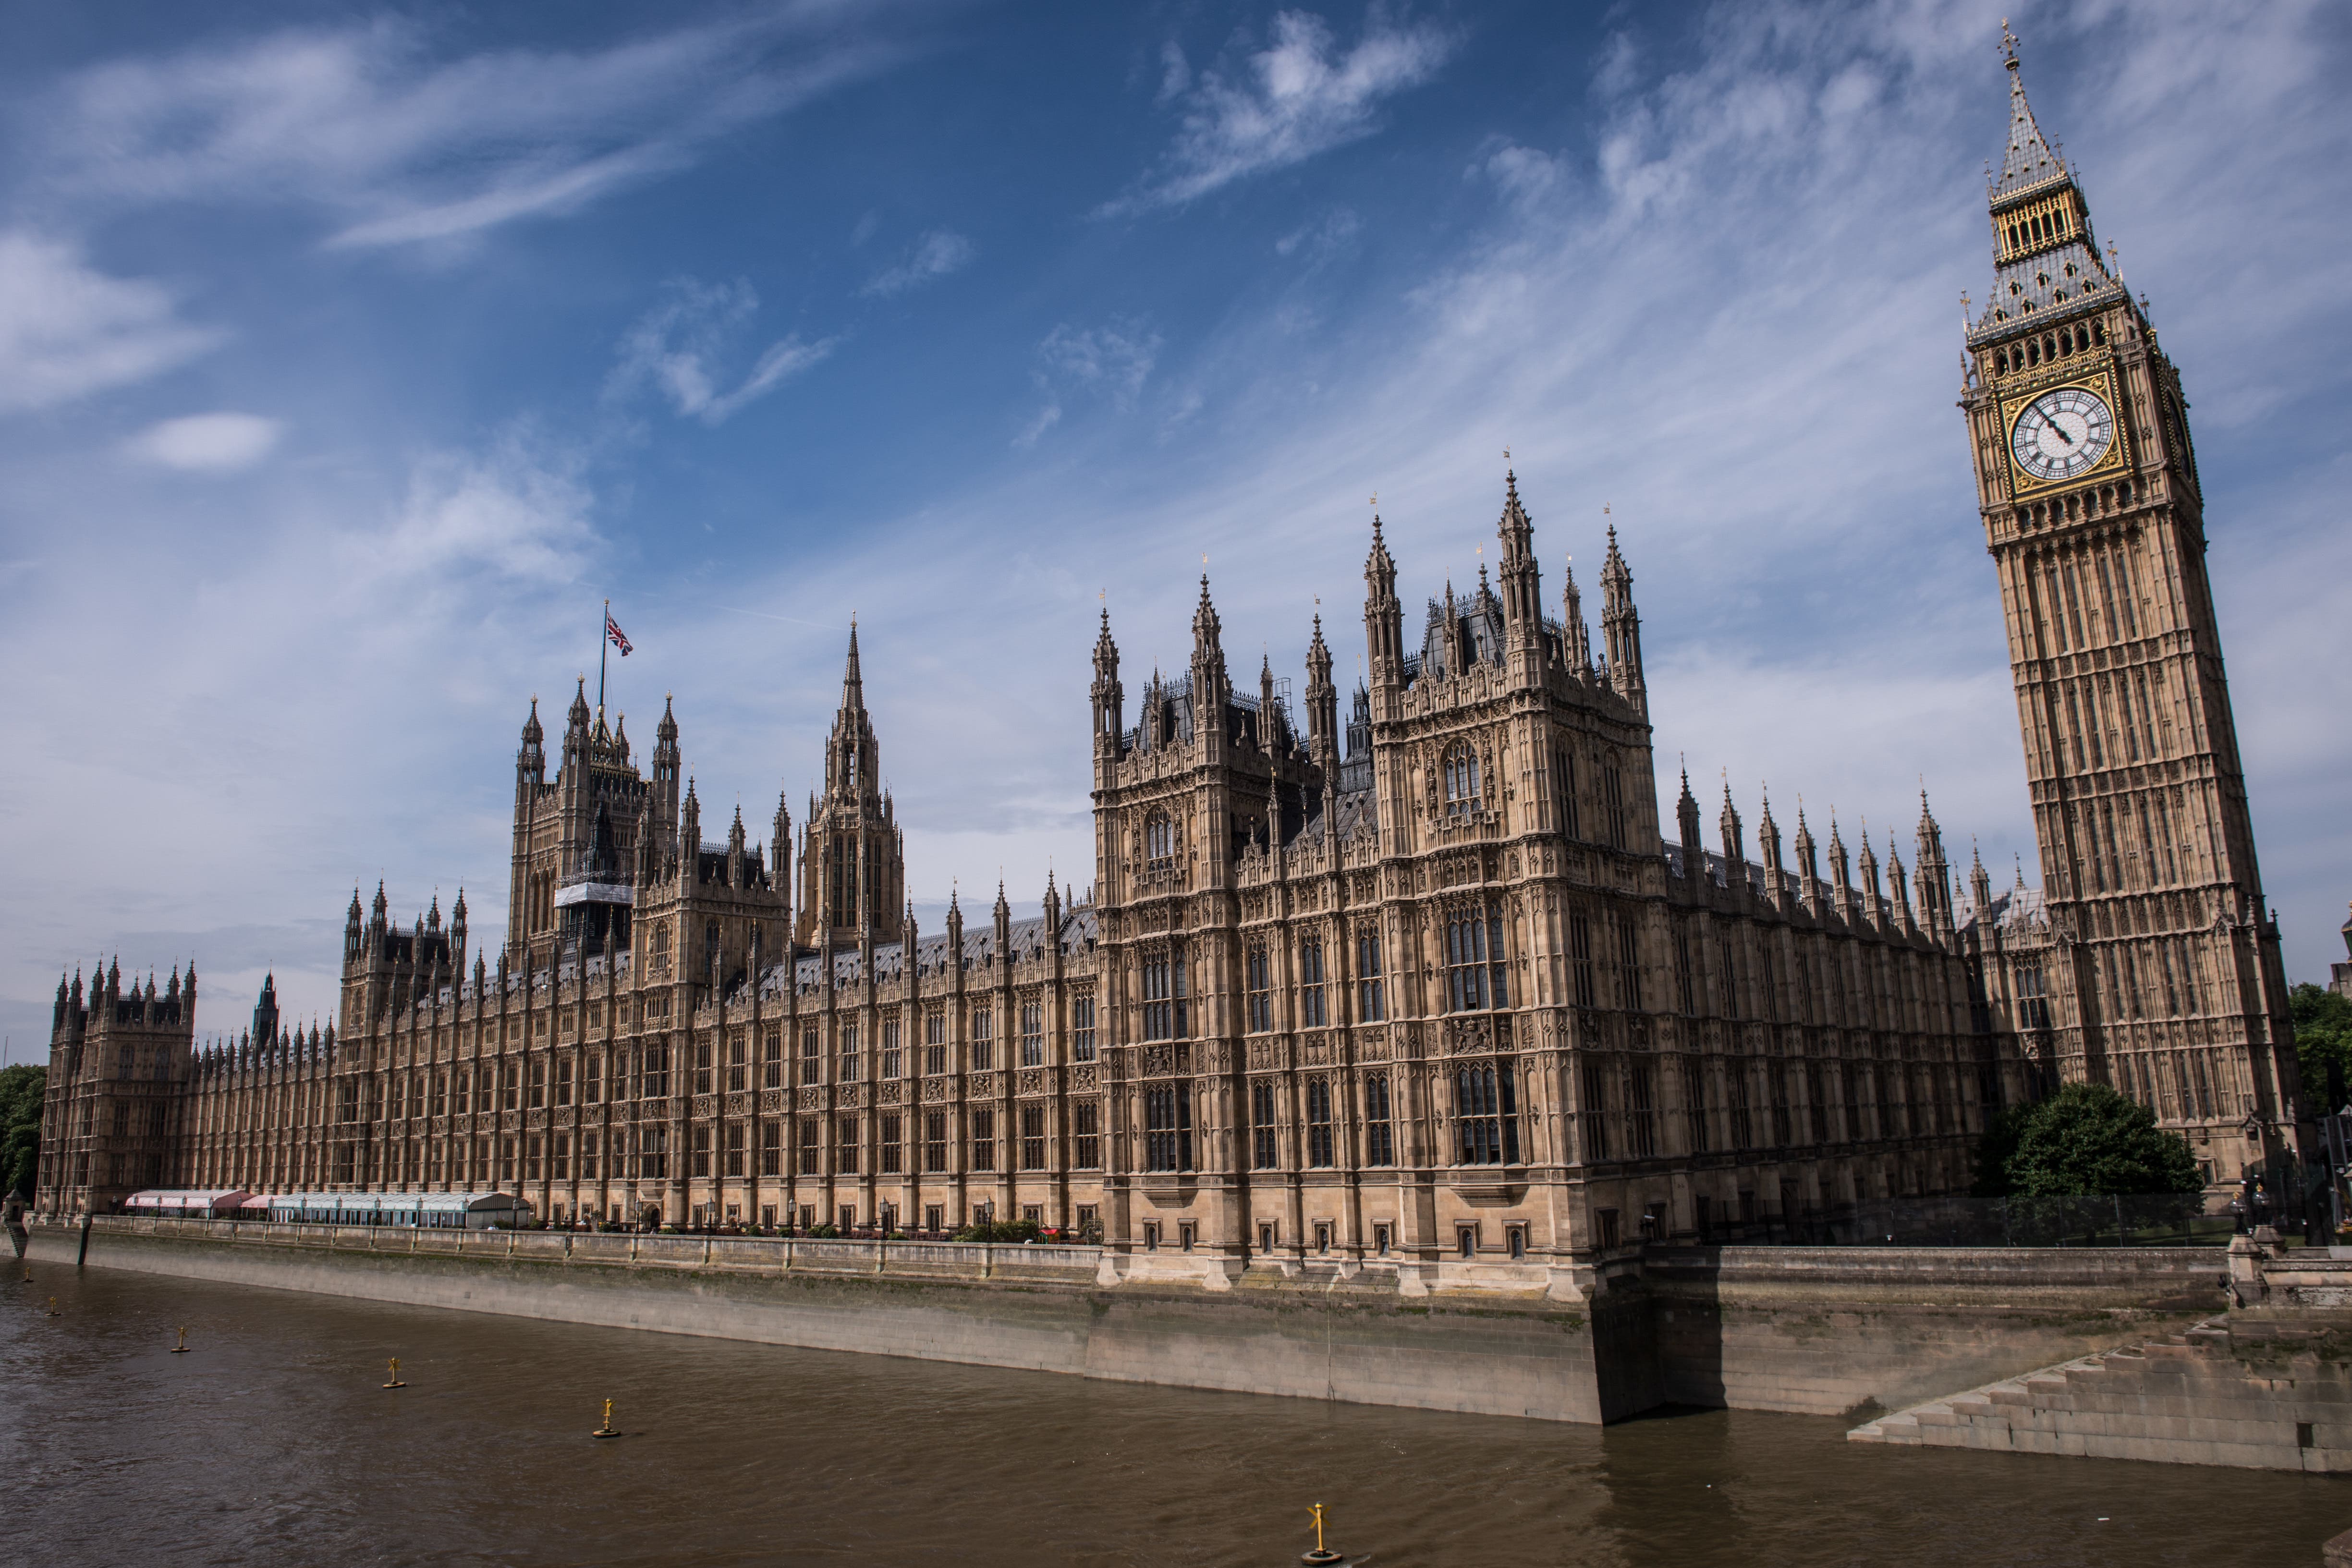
(2033, 1005)
(1563, 768)
(984, 1035)
(1461, 792)
(1033, 1138)
(1682, 974)
(1743, 1126)
(1310, 984)
(1475, 961)
(734, 1166)
(935, 1141)
(850, 1056)
(1777, 1077)
(983, 1140)
(1256, 990)
(1580, 959)
(1640, 1109)
(771, 1149)
(701, 1068)
(1167, 1128)
(1318, 1123)
(771, 1058)
(1087, 1135)
(808, 1140)
(890, 1159)
(1695, 1103)
(1379, 1141)
(738, 1069)
(850, 768)
(701, 1152)
(935, 1039)
(1082, 1029)
(1164, 997)
(1032, 1032)
(652, 1153)
(1853, 1098)
(1629, 965)
(1262, 1146)
(893, 1065)
(1486, 1115)
(1596, 1112)
(1373, 1004)
(1159, 841)
(844, 1145)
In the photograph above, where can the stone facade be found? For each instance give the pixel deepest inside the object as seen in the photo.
(1431, 986)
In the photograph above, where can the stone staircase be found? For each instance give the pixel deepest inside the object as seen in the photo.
(2247, 1390)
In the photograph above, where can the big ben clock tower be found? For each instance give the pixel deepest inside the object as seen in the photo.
(2163, 977)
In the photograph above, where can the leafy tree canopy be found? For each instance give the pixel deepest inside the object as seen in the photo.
(2086, 1140)
(2323, 1044)
(20, 1127)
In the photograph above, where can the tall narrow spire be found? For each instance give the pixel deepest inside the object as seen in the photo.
(852, 684)
(2029, 159)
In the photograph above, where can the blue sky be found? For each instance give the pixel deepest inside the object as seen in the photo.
(349, 358)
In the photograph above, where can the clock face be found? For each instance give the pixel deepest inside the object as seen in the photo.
(2062, 433)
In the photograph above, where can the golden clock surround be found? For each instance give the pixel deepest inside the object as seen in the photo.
(2017, 393)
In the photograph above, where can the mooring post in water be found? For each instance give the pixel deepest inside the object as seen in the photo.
(182, 1348)
(1321, 1553)
(607, 1429)
(395, 1381)
(83, 1256)
(53, 1308)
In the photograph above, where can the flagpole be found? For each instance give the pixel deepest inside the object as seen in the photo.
(604, 650)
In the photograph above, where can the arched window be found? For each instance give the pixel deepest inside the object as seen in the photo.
(1461, 795)
(1158, 840)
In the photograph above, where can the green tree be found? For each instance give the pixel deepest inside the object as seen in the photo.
(20, 1127)
(2323, 1044)
(1994, 1149)
(2086, 1140)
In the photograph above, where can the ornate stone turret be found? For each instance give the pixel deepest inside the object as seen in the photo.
(1934, 877)
(1687, 824)
(853, 856)
(1110, 700)
(1621, 627)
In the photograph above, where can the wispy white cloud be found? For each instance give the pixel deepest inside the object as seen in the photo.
(678, 348)
(1111, 361)
(394, 143)
(935, 255)
(1281, 104)
(207, 443)
(67, 329)
(1115, 359)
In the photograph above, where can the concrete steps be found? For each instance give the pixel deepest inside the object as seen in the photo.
(2263, 1395)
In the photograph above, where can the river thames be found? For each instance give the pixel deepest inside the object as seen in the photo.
(272, 1441)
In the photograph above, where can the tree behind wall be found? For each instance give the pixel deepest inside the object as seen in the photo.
(2323, 1041)
(20, 1127)
(2085, 1141)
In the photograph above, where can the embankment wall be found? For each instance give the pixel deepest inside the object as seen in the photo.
(1845, 1331)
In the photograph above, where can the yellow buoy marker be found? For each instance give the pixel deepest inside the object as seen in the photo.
(182, 1348)
(53, 1308)
(395, 1381)
(1321, 1553)
(607, 1429)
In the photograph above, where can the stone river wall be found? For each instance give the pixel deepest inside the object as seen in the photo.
(1852, 1331)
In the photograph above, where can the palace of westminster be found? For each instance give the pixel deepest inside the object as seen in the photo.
(1428, 983)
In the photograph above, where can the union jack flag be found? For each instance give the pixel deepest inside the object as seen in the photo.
(613, 630)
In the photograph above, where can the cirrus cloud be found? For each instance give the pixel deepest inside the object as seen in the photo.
(68, 331)
(207, 443)
(1298, 96)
